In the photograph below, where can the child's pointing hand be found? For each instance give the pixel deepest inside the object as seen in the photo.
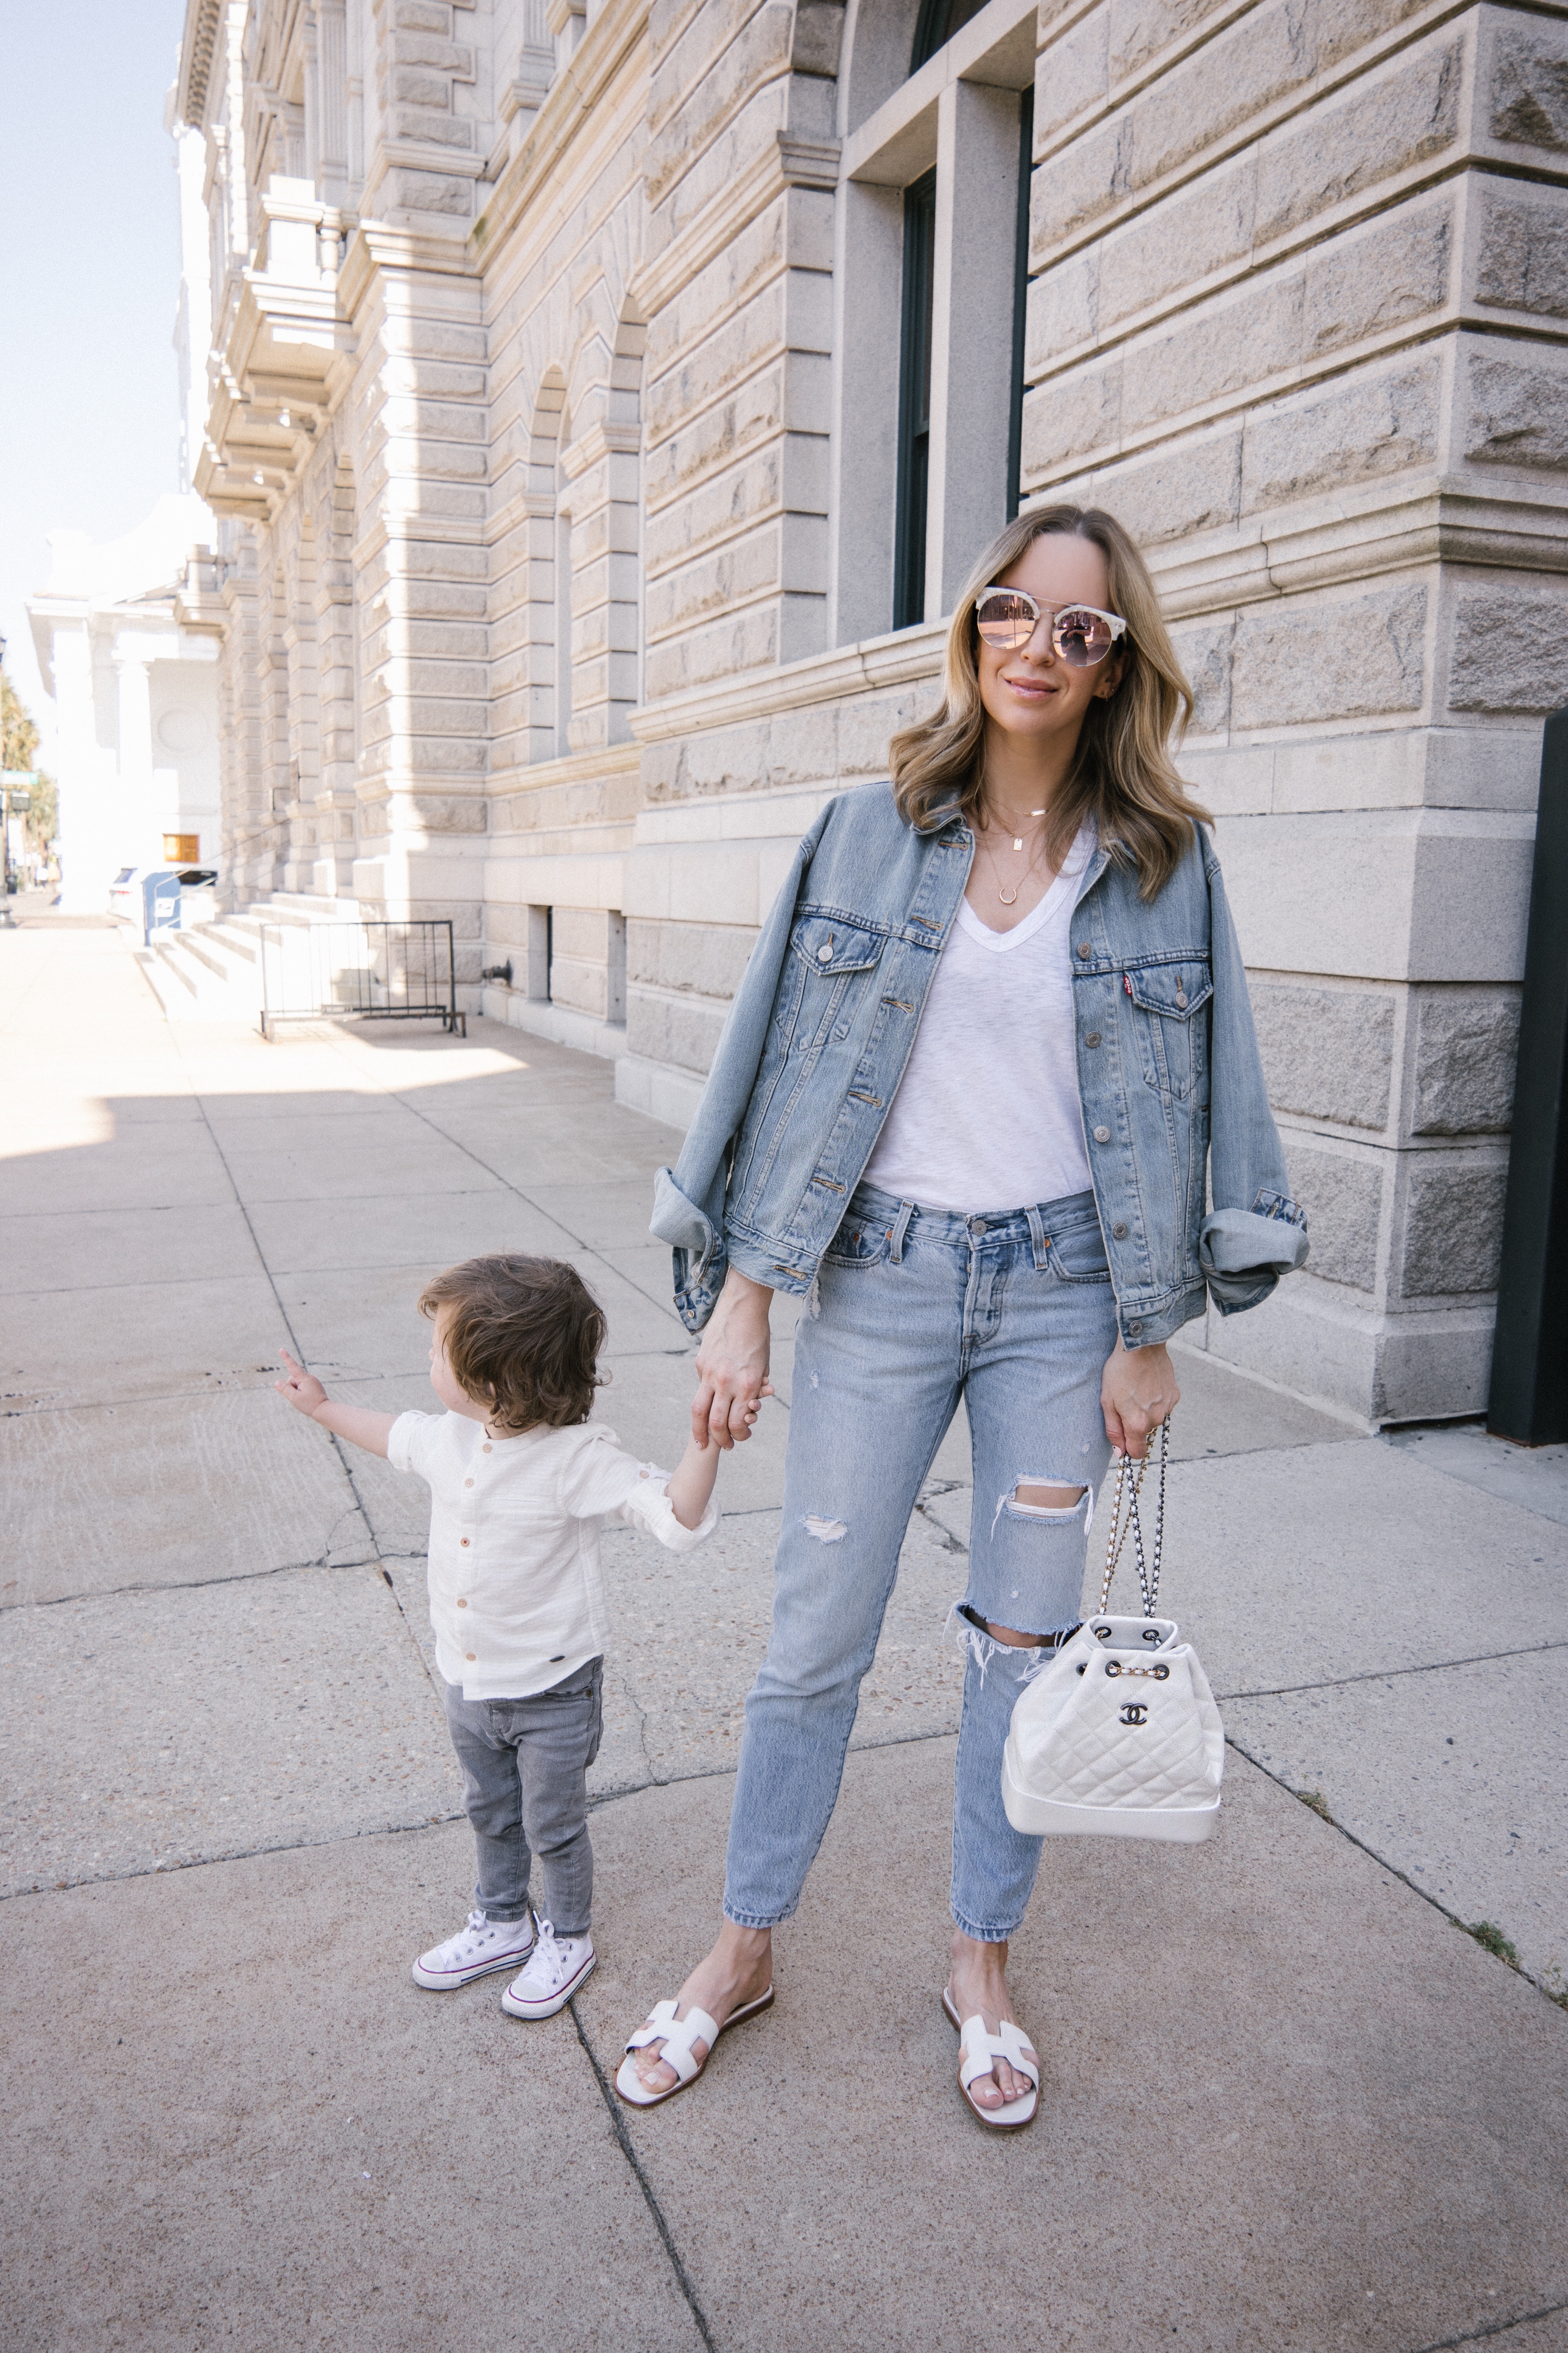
(302, 1390)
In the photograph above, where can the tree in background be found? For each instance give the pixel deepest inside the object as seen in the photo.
(18, 744)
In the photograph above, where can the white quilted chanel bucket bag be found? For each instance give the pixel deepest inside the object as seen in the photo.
(1118, 1735)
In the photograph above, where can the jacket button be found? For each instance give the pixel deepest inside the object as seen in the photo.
(1135, 1327)
(1120, 1231)
(1093, 1038)
(1102, 1135)
(825, 955)
(1086, 948)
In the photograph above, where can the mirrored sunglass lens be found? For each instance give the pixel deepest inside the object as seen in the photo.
(1082, 637)
(1005, 620)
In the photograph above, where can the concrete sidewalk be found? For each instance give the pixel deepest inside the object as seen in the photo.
(1286, 2104)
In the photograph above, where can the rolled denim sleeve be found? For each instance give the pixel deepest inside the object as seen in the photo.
(1254, 1233)
(689, 1199)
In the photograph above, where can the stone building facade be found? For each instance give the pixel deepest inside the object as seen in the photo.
(607, 397)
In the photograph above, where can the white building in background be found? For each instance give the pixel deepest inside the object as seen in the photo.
(127, 652)
(135, 691)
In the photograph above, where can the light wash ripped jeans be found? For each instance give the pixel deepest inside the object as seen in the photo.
(914, 1309)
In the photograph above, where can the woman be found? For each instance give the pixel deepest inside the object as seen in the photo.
(993, 1029)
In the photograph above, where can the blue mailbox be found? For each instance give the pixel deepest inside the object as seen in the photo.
(160, 903)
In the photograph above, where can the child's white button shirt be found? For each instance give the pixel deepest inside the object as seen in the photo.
(516, 1591)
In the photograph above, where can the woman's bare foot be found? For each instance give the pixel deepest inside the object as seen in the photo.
(977, 1980)
(739, 1970)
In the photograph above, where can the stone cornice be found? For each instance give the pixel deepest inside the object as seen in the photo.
(198, 42)
(783, 162)
(575, 768)
(615, 32)
(1395, 530)
(377, 245)
(906, 657)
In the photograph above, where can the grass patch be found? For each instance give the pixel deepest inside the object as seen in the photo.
(1319, 1803)
(1490, 1937)
(1554, 1984)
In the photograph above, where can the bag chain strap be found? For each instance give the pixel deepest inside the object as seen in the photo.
(1124, 1515)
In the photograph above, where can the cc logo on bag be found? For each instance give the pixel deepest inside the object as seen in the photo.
(1134, 1713)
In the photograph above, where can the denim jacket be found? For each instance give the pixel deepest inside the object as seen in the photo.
(821, 1029)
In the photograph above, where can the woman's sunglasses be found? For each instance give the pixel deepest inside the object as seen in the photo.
(1081, 633)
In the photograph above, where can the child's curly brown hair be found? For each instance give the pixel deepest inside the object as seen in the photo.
(522, 1339)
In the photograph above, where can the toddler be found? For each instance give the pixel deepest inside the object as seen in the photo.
(519, 1479)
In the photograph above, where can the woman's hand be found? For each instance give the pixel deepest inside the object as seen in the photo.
(1137, 1390)
(732, 1364)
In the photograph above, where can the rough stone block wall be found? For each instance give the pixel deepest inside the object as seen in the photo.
(1297, 318)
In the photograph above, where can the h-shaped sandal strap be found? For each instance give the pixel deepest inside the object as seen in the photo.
(678, 2035)
(980, 2050)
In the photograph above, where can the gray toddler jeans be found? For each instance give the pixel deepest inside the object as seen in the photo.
(525, 1763)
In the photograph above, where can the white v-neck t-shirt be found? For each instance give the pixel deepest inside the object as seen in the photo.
(987, 1114)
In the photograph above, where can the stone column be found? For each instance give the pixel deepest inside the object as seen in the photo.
(85, 870)
(130, 825)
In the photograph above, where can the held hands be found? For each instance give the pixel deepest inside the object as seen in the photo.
(1137, 1391)
(732, 1365)
(302, 1390)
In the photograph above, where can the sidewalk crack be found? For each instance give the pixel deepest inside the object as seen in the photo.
(624, 2139)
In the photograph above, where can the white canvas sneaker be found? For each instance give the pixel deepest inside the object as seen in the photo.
(559, 1967)
(480, 1946)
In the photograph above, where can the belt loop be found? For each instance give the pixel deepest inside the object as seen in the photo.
(1039, 1236)
(900, 1227)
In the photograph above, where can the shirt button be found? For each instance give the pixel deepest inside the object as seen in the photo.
(1102, 1135)
(462, 1605)
(462, 1540)
(1119, 1232)
(470, 1656)
(486, 1447)
(1086, 948)
(467, 1482)
(1092, 1039)
(824, 954)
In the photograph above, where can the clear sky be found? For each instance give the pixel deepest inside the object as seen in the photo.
(89, 277)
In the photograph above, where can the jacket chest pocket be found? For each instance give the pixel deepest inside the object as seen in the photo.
(1168, 1002)
(831, 955)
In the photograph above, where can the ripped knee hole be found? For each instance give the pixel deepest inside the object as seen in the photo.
(1039, 1499)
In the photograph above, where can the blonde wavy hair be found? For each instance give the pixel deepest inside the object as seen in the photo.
(1123, 775)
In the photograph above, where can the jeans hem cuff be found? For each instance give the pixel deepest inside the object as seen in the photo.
(749, 1920)
(983, 1936)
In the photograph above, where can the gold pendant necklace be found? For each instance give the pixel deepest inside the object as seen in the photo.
(1010, 899)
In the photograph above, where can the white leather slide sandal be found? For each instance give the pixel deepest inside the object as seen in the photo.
(978, 2050)
(678, 2035)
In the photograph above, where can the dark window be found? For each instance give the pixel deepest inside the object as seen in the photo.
(936, 24)
(914, 404)
(1020, 302)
